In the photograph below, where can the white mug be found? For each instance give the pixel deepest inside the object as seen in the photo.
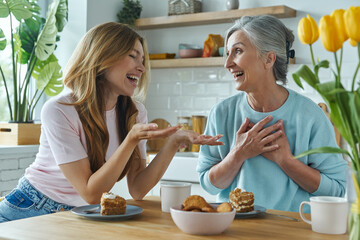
(173, 194)
(328, 214)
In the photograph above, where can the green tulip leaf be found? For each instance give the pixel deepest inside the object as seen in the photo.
(321, 64)
(297, 80)
(45, 45)
(2, 40)
(305, 73)
(61, 15)
(50, 79)
(355, 114)
(19, 8)
(324, 150)
(326, 89)
(4, 10)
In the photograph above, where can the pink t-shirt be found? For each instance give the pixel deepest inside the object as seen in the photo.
(63, 141)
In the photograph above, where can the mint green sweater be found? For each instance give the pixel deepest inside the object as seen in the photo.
(306, 127)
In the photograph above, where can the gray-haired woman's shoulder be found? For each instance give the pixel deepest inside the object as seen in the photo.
(303, 101)
(230, 102)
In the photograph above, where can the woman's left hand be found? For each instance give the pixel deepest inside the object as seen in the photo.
(283, 152)
(191, 137)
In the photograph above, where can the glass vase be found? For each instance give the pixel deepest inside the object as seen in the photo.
(353, 192)
(354, 221)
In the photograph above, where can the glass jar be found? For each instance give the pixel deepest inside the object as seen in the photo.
(185, 125)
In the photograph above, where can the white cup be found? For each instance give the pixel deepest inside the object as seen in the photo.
(328, 214)
(173, 194)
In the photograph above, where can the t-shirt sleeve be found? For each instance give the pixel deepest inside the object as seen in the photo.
(61, 127)
(142, 118)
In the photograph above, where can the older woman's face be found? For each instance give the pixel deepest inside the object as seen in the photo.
(243, 62)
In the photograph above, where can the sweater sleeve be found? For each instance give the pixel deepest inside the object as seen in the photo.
(209, 156)
(332, 167)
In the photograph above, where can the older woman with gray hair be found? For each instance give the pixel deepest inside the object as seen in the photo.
(266, 124)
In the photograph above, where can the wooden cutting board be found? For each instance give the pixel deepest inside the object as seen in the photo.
(156, 144)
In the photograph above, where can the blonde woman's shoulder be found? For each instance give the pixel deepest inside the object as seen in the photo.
(142, 115)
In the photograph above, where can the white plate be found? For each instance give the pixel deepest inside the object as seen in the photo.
(93, 212)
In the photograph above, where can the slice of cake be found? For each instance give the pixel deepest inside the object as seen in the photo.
(242, 201)
(112, 204)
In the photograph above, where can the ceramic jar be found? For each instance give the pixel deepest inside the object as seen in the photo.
(232, 4)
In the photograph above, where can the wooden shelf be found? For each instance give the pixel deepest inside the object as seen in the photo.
(193, 62)
(205, 18)
(187, 62)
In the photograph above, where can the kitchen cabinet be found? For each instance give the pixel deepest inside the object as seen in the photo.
(205, 18)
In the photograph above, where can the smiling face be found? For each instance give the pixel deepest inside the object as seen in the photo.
(244, 62)
(123, 77)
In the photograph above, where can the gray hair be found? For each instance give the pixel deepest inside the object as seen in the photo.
(267, 33)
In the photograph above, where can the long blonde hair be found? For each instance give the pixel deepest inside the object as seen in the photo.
(98, 50)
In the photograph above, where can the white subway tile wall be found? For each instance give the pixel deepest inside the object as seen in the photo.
(13, 162)
(193, 91)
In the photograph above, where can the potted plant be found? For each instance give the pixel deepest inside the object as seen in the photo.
(32, 46)
(335, 30)
(130, 12)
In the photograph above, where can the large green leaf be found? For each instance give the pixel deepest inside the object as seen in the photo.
(305, 73)
(29, 32)
(35, 8)
(4, 10)
(22, 55)
(2, 40)
(45, 45)
(19, 8)
(61, 15)
(50, 79)
(324, 150)
(41, 64)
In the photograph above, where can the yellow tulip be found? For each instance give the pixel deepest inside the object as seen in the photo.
(328, 33)
(353, 42)
(308, 31)
(338, 17)
(352, 23)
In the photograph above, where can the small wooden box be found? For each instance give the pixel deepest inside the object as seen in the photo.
(19, 133)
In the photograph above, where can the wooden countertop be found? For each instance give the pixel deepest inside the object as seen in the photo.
(154, 224)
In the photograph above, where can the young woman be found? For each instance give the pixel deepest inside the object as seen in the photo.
(96, 135)
(265, 125)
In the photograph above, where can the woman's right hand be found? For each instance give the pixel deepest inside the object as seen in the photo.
(142, 131)
(254, 139)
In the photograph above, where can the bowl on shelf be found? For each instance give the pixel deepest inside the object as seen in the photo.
(188, 46)
(201, 223)
(190, 53)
